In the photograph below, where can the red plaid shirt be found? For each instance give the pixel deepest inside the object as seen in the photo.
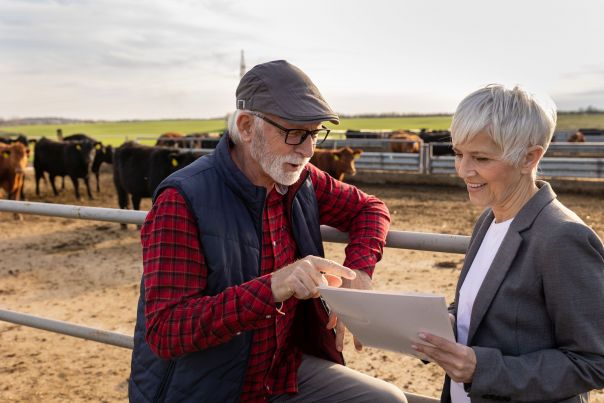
(181, 319)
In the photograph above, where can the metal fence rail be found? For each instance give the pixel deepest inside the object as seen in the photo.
(395, 239)
(57, 326)
(372, 161)
(555, 167)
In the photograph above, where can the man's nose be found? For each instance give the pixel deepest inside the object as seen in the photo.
(307, 148)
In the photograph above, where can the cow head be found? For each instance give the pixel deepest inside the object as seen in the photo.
(577, 137)
(344, 158)
(181, 159)
(405, 142)
(16, 155)
(87, 150)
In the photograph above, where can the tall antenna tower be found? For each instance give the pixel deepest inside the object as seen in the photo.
(242, 66)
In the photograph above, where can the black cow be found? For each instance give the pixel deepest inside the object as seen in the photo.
(357, 134)
(102, 154)
(200, 140)
(21, 138)
(71, 159)
(139, 169)
(438, 136)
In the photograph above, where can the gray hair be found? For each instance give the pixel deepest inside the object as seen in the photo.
(234, 134)
(513, 118)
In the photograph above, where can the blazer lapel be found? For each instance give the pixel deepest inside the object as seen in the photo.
(505, 255)
(500, 266)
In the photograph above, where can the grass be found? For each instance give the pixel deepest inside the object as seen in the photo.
(115, 133)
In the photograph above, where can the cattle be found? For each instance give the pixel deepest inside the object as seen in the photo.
(405, 142)
(437, 136)
(336, 163)
(201, 140)
(577, 137)
(13, 161)
(101, 154)
(357, 134)
(139, 169)
(171, 139)
(22, 139)
(71, 159)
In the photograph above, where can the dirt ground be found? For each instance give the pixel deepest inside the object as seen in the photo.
(88, 272)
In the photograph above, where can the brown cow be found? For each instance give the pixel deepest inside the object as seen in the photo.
(577, 137)
(13, 161)
(336, 163)
(407, 142)
(171, 139)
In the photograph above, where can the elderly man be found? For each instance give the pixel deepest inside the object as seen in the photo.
(232, 254)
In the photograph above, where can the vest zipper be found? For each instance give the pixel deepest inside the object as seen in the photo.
(164, 382)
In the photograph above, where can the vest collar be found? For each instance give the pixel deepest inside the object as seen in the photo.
(234, 178)
(238, 182)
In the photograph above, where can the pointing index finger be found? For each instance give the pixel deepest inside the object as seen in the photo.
(331, 267)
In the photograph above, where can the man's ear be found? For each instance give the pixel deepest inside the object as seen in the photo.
(245, 125)
(532, 158)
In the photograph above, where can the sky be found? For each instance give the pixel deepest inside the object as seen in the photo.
(160, 59)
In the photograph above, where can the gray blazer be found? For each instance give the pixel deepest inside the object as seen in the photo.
(537, 324)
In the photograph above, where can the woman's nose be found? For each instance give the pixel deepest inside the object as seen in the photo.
(464, 167)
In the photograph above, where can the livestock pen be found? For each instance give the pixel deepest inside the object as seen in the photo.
(87, 272)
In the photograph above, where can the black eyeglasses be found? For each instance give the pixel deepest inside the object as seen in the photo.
(296, 137)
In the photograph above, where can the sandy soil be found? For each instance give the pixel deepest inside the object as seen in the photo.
(87, 272)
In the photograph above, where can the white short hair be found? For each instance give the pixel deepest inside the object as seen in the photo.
(232, 125)
(513, 118)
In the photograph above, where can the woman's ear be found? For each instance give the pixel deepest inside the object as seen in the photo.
(245, 125)
(532, 158)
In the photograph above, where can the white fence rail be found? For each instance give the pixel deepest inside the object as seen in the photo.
(555, 167)
(395, 239)
(57, 326)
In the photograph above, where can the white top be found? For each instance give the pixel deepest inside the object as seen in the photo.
(469, 289)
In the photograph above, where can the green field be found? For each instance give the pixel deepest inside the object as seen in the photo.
(115, 133)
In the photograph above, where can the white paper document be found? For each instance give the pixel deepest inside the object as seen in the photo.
(390, 320)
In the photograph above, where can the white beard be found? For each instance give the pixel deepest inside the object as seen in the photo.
(273, 165)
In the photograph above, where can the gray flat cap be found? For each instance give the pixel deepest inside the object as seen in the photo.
(283, 90)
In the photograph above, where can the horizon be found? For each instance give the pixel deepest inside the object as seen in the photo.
(115, 60)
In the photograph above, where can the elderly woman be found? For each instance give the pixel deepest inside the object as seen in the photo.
(529, 305)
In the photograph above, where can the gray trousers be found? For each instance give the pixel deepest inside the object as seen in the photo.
(324, 381)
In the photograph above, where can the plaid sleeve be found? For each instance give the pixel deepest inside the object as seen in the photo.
(364, 217)
(180, 319)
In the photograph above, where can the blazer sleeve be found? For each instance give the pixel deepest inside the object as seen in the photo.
(571, 265)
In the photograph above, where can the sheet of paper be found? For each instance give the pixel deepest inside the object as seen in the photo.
(390, 320)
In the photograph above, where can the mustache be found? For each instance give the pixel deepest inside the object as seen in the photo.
(296, 160)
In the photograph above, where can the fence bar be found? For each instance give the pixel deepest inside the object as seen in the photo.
(71, 211)
(56, 326)
(409, 240)
(395, 239)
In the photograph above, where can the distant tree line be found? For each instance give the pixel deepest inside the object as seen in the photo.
(390, 115)
(590, 110)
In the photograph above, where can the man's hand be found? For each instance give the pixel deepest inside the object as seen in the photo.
(458, 360)
(361, 282)
(301, 278)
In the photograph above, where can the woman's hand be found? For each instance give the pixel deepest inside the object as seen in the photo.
(458, 361)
